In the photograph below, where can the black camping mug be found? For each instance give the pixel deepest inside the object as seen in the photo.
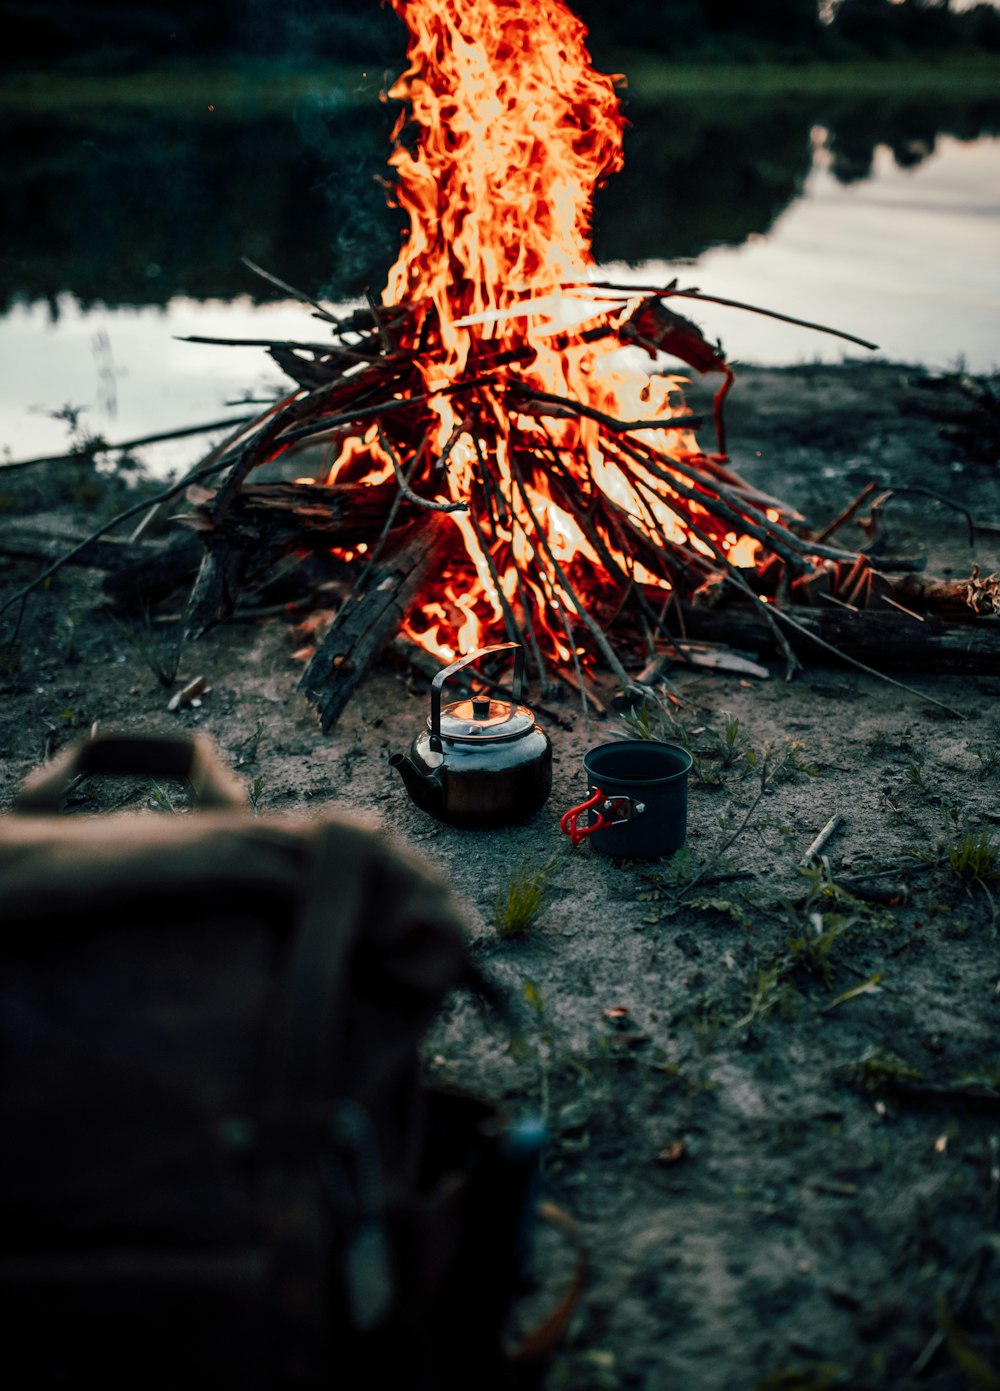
(636, 799)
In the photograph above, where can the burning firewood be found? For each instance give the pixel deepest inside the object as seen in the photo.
(496, 396)
(509, 449)
(497, 388)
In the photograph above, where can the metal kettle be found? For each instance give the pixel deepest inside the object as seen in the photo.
(479, 762)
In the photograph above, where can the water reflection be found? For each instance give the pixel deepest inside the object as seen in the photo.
(135, 207)
(701, 173)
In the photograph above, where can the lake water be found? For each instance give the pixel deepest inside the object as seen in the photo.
(901, 249)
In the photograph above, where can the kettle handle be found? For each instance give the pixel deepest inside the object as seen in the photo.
(442, 677)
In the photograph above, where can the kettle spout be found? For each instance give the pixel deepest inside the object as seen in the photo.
(426, 789)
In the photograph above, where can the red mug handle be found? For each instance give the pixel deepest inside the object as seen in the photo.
(568, 821)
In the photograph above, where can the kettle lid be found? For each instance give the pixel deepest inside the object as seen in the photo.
(481, 719)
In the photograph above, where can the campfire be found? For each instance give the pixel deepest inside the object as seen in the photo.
(509, 452)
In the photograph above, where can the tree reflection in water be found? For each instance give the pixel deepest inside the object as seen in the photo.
(135, 206)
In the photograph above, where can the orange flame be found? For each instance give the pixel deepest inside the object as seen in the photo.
(506, 132)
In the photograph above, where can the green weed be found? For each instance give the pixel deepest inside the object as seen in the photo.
(973, 857)
(770, 991)
(75, 719)
(246, 750)
(733, 742)
(812, 949)
(989, 759)
(159, 799)
(876, 1068)
(640, 724)
(724, 907)
(521, 901)
(878, 743)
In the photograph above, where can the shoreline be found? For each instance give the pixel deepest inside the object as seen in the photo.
(254, 86)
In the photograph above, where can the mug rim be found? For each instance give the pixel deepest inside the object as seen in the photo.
(642, 745)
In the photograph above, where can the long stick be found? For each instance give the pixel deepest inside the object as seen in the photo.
(740, 513)
(671, 293)
(220, 452)
(102, 447)
(669, 422)
(384, 408)
(404, 486)
(289, 289)
(792, 663)
(774, 612)
(847, 513)
(324, 349)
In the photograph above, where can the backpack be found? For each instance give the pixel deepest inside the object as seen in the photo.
(220, 1164)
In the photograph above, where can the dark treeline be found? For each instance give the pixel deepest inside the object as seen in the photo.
(122, 207)
(111, 35)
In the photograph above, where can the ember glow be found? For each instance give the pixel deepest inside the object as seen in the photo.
(561, 506)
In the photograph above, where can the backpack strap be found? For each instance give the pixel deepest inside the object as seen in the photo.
(298, 1081)
(190, 757)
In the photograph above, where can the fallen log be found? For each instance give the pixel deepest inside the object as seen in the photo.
(135, 572)
(297, 516)
(263, 523)
(883, 638)
(370, 618)
(47, 541)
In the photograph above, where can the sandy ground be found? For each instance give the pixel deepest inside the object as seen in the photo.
(781, 1142)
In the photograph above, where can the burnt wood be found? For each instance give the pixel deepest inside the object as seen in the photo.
(266, 521)
(370, 618)
(883, 638)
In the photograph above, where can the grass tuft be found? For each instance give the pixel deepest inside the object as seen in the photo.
(521, 901)
(973, 856)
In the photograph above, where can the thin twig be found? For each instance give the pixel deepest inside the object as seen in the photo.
(289, 289)
(902, 608)
(528, 394)
(915, 491)
(819, 844)
(792, 663)
(404, 486)
(376, 551)
(323, 349)
(741, 514)
(847, 513)
(598, 634)
(718, 855)
(383, 408)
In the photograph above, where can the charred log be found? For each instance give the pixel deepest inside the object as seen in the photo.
(885, 638)
(370, 619)
(263, 524)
